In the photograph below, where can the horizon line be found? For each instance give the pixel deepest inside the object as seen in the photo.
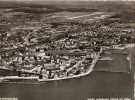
(62, 0)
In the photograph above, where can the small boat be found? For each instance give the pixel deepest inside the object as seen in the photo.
(106, 58)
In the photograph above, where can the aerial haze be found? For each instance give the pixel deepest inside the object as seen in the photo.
(67, 0)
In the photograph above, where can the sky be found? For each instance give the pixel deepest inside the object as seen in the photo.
(67, 0)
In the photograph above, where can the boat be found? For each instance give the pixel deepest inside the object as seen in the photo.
(106, 58)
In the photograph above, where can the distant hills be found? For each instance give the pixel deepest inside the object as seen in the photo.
(126, 9)
(61, 3)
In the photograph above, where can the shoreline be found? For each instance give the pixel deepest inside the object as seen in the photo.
(131, 45)
(56, 79)
(76, 76)
(90, 69)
